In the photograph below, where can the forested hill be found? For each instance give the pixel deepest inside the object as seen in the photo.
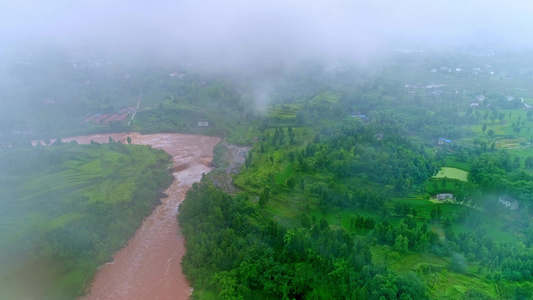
(344, 195)
(234, 253)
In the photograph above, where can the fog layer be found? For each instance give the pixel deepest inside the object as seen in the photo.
(244, 31)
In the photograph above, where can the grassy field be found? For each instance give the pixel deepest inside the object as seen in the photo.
(285, 111)
(522, 152)
(452, 173)
(503, 128)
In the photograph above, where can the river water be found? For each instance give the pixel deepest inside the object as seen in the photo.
(149, 266)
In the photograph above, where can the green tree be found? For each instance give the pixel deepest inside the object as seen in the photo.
(370, 223)
(291, 183)
(323, 224)
(423, 244)
(401, 244)
(435, 213)
(306, 222)
(291, 135)
(248, 161)
(529, 162)
(458, 263)
(57, 142)
(265, 194)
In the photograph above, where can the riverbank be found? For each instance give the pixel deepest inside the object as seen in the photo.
(149, 266)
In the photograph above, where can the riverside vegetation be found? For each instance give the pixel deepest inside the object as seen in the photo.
(67, 208)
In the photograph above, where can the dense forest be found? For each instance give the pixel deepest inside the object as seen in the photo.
(237, 254)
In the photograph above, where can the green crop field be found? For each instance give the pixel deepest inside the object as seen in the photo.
(452, 173)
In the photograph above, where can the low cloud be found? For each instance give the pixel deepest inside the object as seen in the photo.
(242, 32)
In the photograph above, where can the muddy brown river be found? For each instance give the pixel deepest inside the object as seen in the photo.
(149, 266)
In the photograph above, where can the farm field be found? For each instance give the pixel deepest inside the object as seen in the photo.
(452, 173)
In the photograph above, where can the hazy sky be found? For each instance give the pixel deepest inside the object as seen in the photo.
(242, 31)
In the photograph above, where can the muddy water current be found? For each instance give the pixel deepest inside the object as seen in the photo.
(148, 267)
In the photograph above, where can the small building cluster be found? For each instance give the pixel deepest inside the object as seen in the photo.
(91, 64)
(128, 110)
(359, 116)
(105, 119)
(176, 74)
(509, 202)
(461, 68)
(442, 141)
(22, 132)
(444, 197)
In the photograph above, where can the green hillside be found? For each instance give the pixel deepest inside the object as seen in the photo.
(65, 209)
(338, 200)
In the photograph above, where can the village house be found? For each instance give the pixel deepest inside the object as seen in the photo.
(444, 142)
(480, 97)
(359, 116)
(176, 74)
(203, 123)
(474, 104)
(23, 132)
(128, 110)
(444, 197)
(509, 202)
